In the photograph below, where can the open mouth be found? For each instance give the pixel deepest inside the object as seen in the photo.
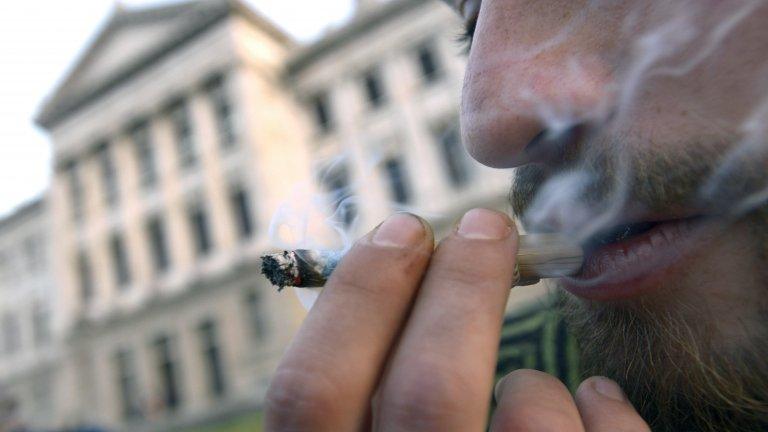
(663, 230)
(617, 234)
(621, 260)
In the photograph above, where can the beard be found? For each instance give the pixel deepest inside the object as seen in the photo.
(677, 363)
(669, 367)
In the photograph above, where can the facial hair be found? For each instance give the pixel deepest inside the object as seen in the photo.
(674, 369)
(677, 379)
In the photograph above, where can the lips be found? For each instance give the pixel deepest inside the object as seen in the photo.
(630, 260)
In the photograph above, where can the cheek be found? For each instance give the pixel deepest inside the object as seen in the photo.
(725, 285)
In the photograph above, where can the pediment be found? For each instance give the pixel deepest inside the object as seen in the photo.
(133, 38)
(129, 37)
(121, 48)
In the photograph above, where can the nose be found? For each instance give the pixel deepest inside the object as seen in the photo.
(519, 88)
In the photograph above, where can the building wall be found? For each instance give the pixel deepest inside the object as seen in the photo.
(270, 142)
(278, 149)
(406, 124)
(28, 348)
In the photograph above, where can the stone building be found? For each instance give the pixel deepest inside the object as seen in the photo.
(169, 137)
(28, 341)
(383, 92)
(177, 136)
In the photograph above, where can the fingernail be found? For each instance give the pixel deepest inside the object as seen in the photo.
(609, 389)
(400, 230)
(484, 225)
(497, 391)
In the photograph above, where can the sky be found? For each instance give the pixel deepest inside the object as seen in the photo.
(39, 40)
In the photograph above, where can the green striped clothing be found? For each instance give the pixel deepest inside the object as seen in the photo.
(535, 337)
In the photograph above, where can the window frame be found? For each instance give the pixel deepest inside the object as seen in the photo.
(109, 176)
(180, 117)
(322, 112)
(140, 134)
(241, 208)
(210, 342)
(224, 112)
(159, 251)
(456, 165)
(200, 224)
(431, 48)
(120, 260)
(374, 88)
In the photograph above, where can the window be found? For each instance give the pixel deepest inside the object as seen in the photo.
(11, 334)
(241, 207)
(322, 113)
(430, 71)
(75, 191)
(198, 220)
(5, 267)
(42, 389)
(373, 89)
(85, 278)
(222, 106)
(335, 181)
(157, 244)
(41, 324)
(127, 383)
(34, 253)
(256, 314)
(108, 174)
(182, 131)
(456, 163)
(168, 373)
(140, 135)
(398, 182)
(119, 261)
(212, 358)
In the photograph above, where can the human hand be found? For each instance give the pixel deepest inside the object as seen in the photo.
(404, 338)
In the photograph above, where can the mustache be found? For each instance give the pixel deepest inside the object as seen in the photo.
(600, 175)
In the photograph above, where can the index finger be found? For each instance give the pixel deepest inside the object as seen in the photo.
(440, 378)
(327, 376)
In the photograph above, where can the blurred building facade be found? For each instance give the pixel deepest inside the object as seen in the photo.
(383, 93)
(177, 136)
(29, 350)
(170, 135)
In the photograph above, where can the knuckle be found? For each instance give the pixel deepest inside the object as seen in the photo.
(376, 272)
(296, 399)
(463, 262)
(353, 279)
(454, 269)
(421, 399)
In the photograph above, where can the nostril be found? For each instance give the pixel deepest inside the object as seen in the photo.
(551, 145)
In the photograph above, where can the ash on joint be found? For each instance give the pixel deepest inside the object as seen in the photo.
(300, 268)
(281, 269)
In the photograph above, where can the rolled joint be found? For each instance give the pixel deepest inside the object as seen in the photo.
(539, 256)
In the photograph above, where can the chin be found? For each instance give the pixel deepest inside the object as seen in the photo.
(670, 360)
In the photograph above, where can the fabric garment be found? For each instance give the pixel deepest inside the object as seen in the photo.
(535, 337)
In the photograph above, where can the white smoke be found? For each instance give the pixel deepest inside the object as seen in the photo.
(655, 41)
(665, 40)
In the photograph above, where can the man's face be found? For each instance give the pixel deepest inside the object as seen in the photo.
(639, 128)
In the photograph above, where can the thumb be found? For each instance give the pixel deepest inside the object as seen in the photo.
(605, 408)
